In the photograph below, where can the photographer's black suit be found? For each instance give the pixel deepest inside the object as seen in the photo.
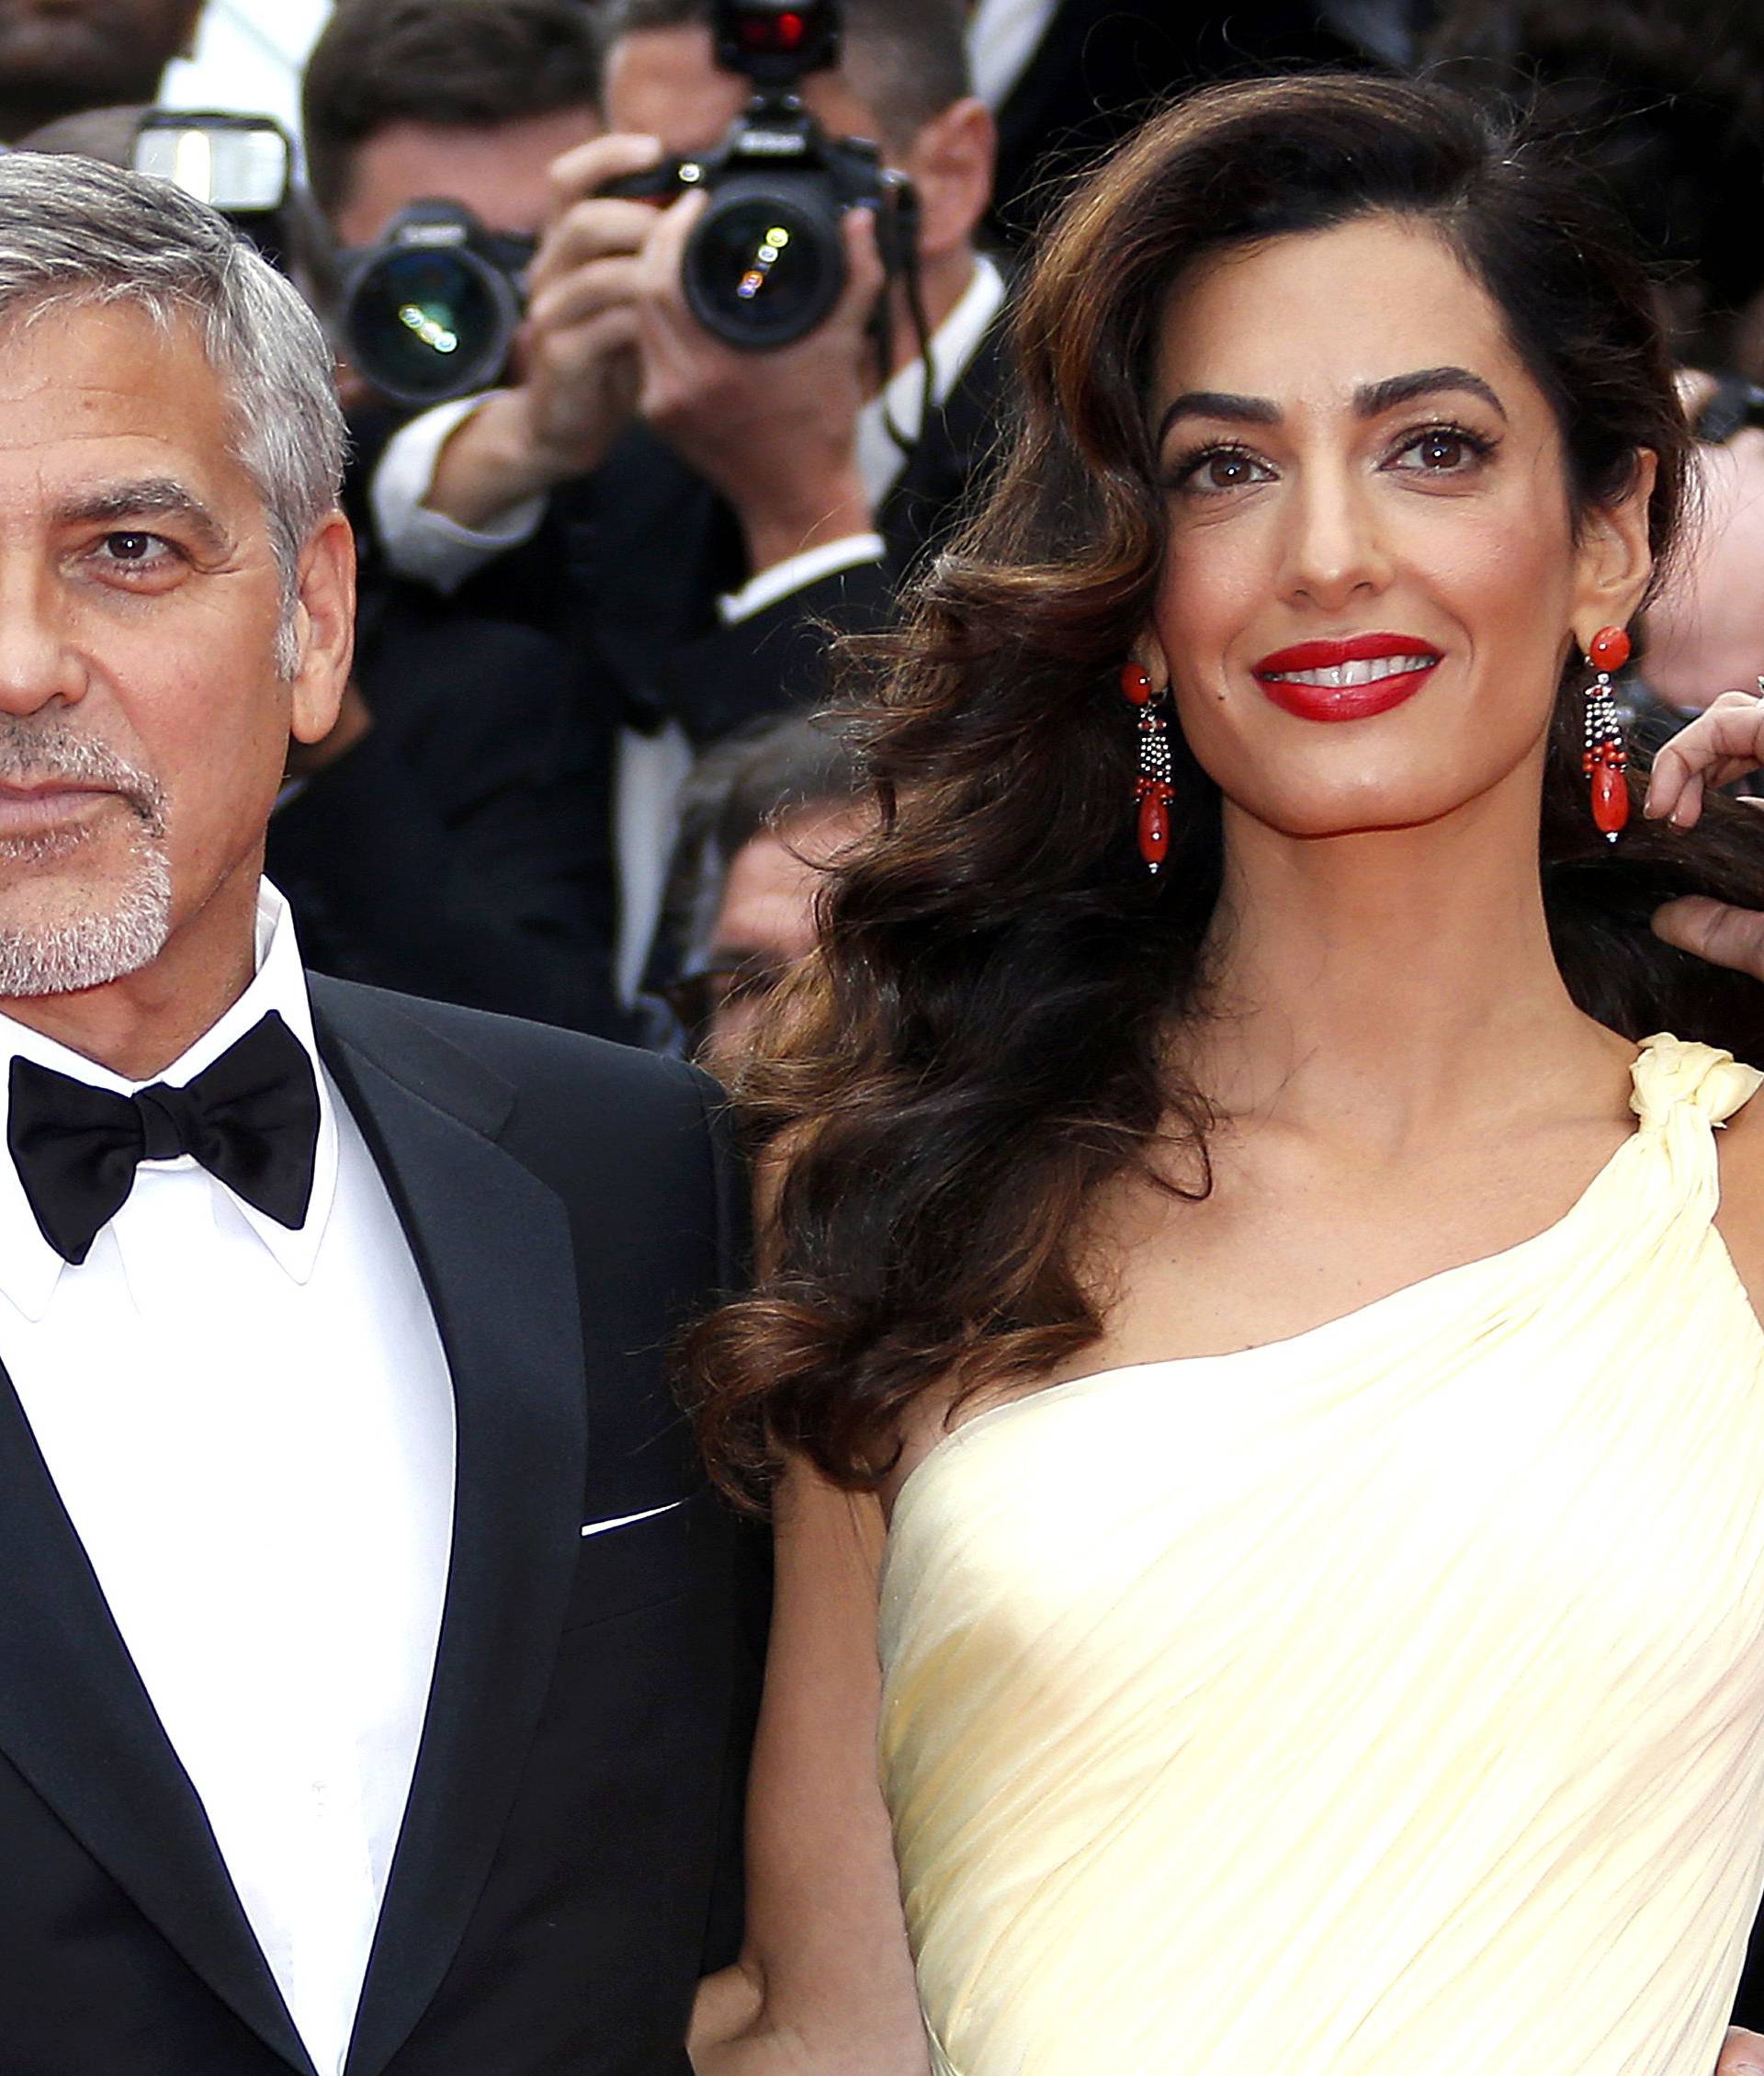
(630, 562)
(628, 565)
(566, 1867)
(459, 850)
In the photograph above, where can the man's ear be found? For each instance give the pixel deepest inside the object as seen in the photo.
(1614, 558)
(951, 164)
(325, 629)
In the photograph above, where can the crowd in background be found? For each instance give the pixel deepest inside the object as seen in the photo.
(576, 778)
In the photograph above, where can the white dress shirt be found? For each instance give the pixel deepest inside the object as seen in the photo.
(251, 1431)
(436, 551)
(1002, 39)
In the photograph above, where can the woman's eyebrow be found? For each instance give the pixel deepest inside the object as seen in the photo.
(1371, 400)
(1219, 403)
(1376, 398)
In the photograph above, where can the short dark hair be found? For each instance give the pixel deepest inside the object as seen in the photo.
(908, 59)
(471, 64)
(750, 782)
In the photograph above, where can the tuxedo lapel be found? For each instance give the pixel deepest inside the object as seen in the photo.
(77, 1723)
(494, 1246)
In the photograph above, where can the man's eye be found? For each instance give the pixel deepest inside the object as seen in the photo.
(132, 547)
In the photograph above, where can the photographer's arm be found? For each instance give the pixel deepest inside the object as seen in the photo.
(466, 481)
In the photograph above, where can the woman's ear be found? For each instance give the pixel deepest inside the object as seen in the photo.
(1616, 558)
(1149, 651)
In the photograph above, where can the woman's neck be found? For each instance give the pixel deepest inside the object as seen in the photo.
(1389, 982)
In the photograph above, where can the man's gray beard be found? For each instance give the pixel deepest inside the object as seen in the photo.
(130, 929)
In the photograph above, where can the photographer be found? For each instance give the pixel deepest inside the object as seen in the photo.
(698, 509)
(760, 819)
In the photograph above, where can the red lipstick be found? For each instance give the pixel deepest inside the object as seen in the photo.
(1342, 680)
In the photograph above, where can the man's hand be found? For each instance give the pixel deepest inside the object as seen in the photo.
(1722, 743)
(575, 358)
(1742, 2053)
(775, 432)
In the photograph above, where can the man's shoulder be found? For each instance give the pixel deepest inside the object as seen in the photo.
(437, 1046)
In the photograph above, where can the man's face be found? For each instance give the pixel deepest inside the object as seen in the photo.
(499, 173)
(766, 922)
(143, 725)
(60, 55)
(666, 83)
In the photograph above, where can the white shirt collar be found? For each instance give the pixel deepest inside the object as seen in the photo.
(952, 346)
(29, 1266)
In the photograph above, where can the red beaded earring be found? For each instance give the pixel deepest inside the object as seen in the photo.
(1606, 759)
(1152, 789)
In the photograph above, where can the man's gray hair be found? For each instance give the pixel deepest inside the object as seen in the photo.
(72, 231)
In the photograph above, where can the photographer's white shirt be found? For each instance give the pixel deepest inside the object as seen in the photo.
(436, 551)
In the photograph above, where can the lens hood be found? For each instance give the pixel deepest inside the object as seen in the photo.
(431, 312)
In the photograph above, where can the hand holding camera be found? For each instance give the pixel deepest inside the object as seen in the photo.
(744, 318)
(774, 433)
(569, 361)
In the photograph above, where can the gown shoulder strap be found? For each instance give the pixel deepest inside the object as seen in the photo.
(1672, 1075)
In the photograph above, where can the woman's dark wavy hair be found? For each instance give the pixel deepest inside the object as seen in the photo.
(982, 1040)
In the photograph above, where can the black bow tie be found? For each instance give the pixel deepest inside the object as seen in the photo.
(251, 1118)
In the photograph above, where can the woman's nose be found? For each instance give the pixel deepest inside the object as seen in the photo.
(1335, 550)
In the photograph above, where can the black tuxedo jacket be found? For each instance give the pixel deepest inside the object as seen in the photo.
(566, 1865)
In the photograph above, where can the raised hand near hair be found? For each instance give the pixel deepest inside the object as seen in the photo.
(775, 432)
(1722, 743)
(576, 356)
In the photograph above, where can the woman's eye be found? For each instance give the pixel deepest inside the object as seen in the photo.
(1222, 468)
(1443, 450)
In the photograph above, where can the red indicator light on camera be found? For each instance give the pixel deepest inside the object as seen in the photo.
(780, 36)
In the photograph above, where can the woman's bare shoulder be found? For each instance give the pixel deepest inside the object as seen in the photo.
(1741, 1216)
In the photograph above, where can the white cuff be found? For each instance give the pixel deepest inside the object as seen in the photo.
(797, 572)
(426, 544)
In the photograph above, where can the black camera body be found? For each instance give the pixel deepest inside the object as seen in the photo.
(766, 261)
(431, 312)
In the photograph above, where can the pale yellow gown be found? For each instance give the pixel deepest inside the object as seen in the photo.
(1388, 1701)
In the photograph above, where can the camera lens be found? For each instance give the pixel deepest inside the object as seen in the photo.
(764, 265)
(424, 324)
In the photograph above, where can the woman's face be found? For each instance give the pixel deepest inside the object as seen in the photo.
(1372, 579)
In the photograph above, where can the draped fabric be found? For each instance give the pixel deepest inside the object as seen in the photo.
(1390, 1697)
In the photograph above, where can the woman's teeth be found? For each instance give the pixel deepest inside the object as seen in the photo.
(1367, 672)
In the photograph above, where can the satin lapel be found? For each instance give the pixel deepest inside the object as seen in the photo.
(76, 1722)
(495, 1249)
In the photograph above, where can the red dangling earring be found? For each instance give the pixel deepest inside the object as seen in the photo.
(1152, 789)
(1606, 759)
